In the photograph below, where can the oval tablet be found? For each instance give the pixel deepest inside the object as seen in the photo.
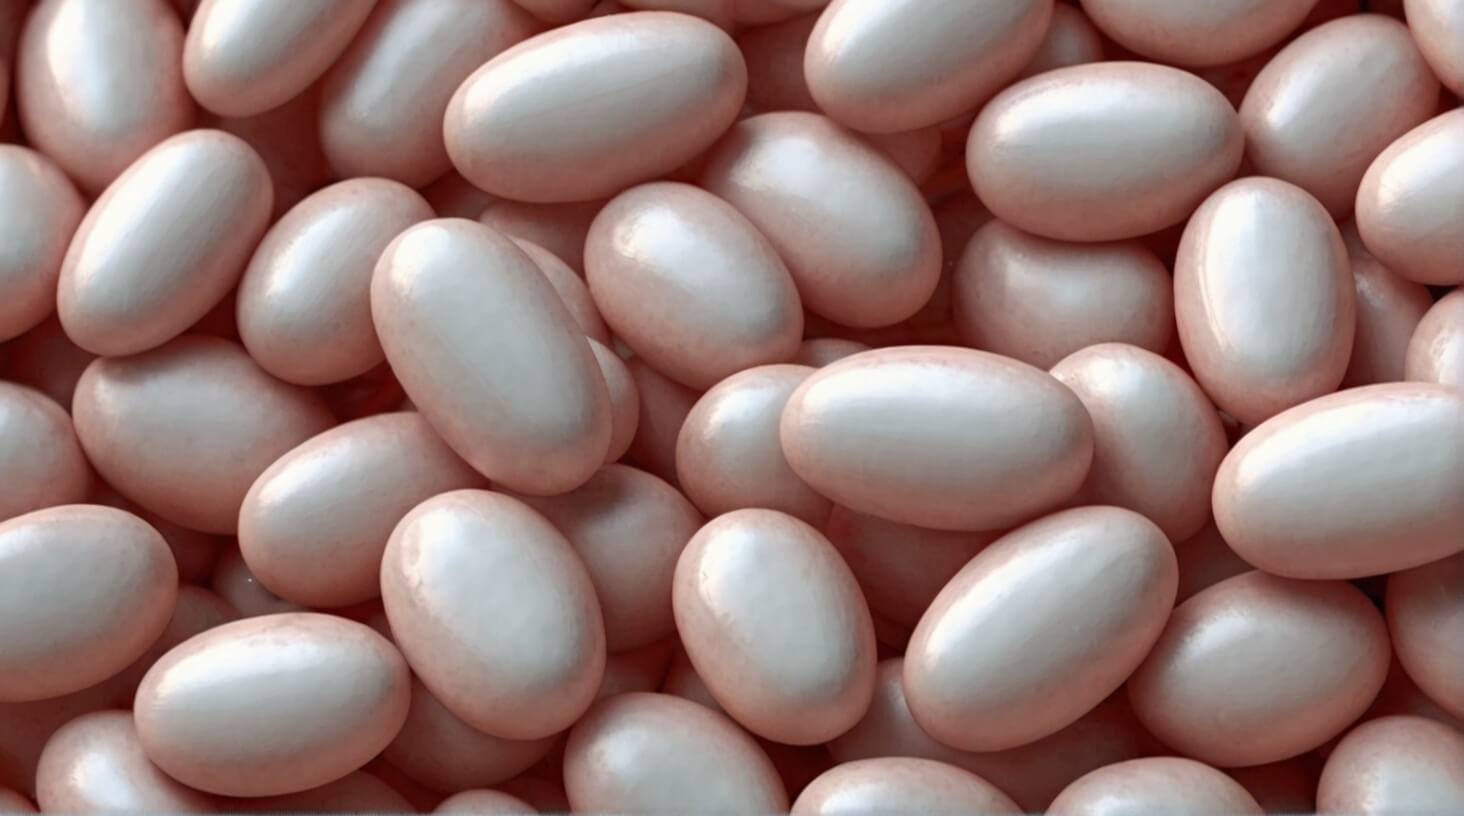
(1197, 33)
(242, 59)
(488, 353)
(1154, 785)
(1395, 765)
(1330, 101)
(660, 86)
(728, 455)
(97, 82)
(314, 524)
(1436, 350)
(1071, 39)
(304, 303)
(1409, 199)
(84, 591)
(570, 287)
(1357, 483)
(1039, 300)
(382, 102)
(1425, 607)
(690, 285)
(624, 400)
(740, 581)
(273, 704)
(900, 784)
(938, 436)
(164, 243)
(495, 613)
(1103, 151)
(95, 764)
(1258, 668)
(855, 233)
(1264, 298)
(39, 211)
(655, 753)
(185, 429)
(1438, 29)
(41, 461)
(1389, 309)
(891, 65)
(1157, 440)
(996, 662)
(483, 801)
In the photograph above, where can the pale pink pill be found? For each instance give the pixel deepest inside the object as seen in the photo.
(1395, 765)
(194, 552)
(314, 524)
(95, 764)
(196, 610)
(570, 287)
(1258, 668)
(1101, 152)
(356, 792)
(1389, 309)
(664, 406)
(39, 211)
(98, 82)
(1154, 785)
(382, 102)
(995, 662)
(1157, 440)
(624, 400)
(820, 351)
(774, 56)
(1436, 350)
(1263, 298)
(85, 590)
(659, 754)
(274, 704)
(483, 802)
(855, 233)
(1438, 29)
(900, 568)
(1039, 300)
(890, 65)
(557, 11)
(1357, 483)
(469, 556)
(560, 228)
(304, 303)
(233, 581)
(487, 351)
(516, 127)
(900, 784)
(10, 801)
(690, 285)
(728, 455)
(1425, 607)
(1198, 33)
(1329, 102)
(739, 581)
(244, 58)
(185, 429)
(940, 437)
(1409, 200)
(1071, 39)
(288, 139)
(440, 751)
(41, 461)
(628, 528)
(164, 243)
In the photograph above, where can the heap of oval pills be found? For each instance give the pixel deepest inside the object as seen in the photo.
(732, 406)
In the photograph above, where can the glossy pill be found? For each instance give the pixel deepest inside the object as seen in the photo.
(938, 437)
(86, 590)
(1198, 33)
(483, 802)
(995, 663)
(95, 764)
(1071, 39)
(488, 353)
(164, 243)
(494, 612)
(98, 82)
(185, 429)
(244, 58)
(1258, 668)
(273, 704)
(659, 754)
(1357, 483)
(304, 303)
(905, 784)
(1263, 298)
(1395, 765)
(1102, 152)
(571, 288)
(624, 400)
(1425, 607)
(1438, 28)
(516, 126)
(39, 211)
(1436, 350)
(1408, 199)
(1389, 309)
(874, 258)
(41, 461)
(1154, 785)
(690, 285)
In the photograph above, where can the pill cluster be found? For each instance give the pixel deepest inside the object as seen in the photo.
(741, 406)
